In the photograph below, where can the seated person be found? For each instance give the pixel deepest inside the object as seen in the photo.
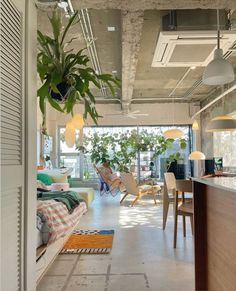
(108, 176)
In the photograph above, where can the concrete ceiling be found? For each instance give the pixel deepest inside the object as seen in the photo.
(127, 52)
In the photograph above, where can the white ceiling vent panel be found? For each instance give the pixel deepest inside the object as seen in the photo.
(189, 48)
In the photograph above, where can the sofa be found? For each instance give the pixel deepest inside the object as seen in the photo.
(57, 180)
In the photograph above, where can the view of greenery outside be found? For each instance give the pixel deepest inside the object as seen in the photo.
(143, 163)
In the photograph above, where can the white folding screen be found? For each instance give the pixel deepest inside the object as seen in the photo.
(12, 98)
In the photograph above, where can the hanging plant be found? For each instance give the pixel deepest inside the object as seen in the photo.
(65, 75)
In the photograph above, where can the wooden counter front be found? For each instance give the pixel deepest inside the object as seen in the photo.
(215, 234)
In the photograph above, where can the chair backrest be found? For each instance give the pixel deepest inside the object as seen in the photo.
(170, 181)
(129, 183)
(184, 185)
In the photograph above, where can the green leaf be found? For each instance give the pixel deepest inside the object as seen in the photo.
(54, 104)
(70, 102)
(71, 22)
(56, 79)
(43, 90)
(55, 21)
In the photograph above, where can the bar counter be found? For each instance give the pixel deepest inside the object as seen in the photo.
(215, 233)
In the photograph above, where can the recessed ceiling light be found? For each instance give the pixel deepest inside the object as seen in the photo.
(193, 67)
(111, 28)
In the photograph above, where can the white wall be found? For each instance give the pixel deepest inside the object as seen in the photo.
(161, 113)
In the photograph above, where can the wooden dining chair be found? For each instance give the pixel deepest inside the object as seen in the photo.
(184, 208)
(169, 185)
(172, 189)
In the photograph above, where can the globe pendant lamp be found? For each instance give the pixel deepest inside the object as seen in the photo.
(222, 123)
(218, 71)
(196, 155)
(70, 135)
(78, 121)
(195, 125)
(173, 133)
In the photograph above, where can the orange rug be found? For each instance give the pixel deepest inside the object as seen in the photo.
(89, 242)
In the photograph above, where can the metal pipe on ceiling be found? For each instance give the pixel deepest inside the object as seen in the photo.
(232, 88)
(180, 81)
(91, 46)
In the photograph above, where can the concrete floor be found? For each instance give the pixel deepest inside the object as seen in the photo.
(142, 257)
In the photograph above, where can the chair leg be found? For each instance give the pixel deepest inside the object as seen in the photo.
(175, 218)
(192, 226)
(184, 226)
(124, 197)
(165, 213)
(135, 200)
(154, 198)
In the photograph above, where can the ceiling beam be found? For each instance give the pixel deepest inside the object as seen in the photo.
(151, 4)
(132, 24)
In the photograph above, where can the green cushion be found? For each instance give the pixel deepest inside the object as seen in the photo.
(45, 178)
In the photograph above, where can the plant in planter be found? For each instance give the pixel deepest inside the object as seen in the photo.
(65, 74)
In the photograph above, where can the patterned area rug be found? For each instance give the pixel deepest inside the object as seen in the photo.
(89, 242)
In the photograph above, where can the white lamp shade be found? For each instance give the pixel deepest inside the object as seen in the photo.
(222, 123)
(70, 137)
(218, 71)
(78, 121)
(173, 133)
(70, 125)
(196, 155)
(195, 125)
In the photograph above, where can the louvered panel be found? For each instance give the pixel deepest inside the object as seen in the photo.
(10, 10)
(7, 99)
(9, 73)
(6, 24)
(10, 121)
(10, 132)
(7, 62)
(8, 82)
(9, 152)
(13, 108)
(11, 146)
(10, 52)
(11, 127)
(14, 41)
(5, 136)
(5, 115)
(11, 236)
(11, 84)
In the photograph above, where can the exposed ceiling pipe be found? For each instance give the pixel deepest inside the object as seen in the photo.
(180, 81)
(91, 46)
(232, 88)
(157, 99)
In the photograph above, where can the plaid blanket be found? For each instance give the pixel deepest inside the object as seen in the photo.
(58, 221)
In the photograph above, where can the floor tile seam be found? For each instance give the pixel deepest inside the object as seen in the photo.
(64, 288)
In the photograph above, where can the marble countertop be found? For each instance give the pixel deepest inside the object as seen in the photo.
(224, 183)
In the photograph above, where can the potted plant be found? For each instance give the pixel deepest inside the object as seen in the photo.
(65, 75)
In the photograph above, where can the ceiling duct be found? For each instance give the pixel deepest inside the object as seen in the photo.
(188, 38)
(197, 19)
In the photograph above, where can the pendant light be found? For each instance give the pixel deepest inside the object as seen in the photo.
(78, 121)
(195, 125)
(222, 123)
(196, 155)
(173, 133)
(219, 71)
(70, 134)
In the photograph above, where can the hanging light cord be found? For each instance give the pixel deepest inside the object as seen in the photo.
(218, 29)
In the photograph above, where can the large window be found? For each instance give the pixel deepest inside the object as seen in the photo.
(69, 157)
(84, 169)
(225, 147)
